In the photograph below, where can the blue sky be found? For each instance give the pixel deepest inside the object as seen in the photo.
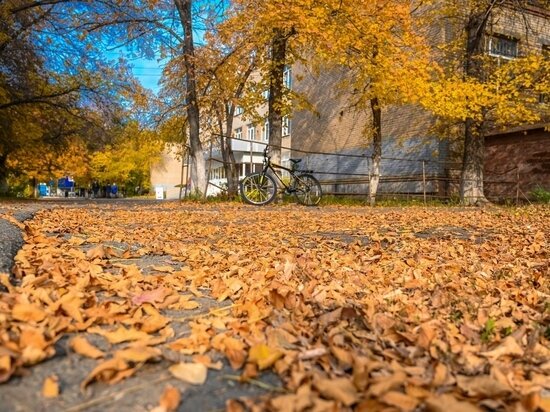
(148, 72)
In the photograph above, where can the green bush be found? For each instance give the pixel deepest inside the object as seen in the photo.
(540, 195)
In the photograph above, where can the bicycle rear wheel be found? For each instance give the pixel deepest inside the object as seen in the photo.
(307, 190)
(258, 189)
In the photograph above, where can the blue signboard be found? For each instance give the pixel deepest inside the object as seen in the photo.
(42, 189)
(65, 183)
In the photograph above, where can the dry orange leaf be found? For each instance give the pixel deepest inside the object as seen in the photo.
(109, 371)
(169, 400)
(152, 296)
(508, 346)
(80, 345)
(234, 350)
(121, 334)
(404, 402)
(27, 312)
(50, 388)
(483, 386)
(448, 403)
(138, 354)
(193, 373)
(339, 389)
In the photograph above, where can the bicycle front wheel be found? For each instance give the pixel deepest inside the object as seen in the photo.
(307, 190)
(258, 189)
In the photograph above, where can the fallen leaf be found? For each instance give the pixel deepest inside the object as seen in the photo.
(448, 403)
(138, 354)
(384, 384)
(482, 386)
(169, 400)
(400, 400)
(121, 334)
(508, 347)
(193, 373)
(50, 388)
(339, 389)
(163, 268)
(263, 356)
(26, 312)
(151, 296)
(80, 345)
(107, 371)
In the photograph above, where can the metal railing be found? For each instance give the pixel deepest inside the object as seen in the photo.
(349, 174)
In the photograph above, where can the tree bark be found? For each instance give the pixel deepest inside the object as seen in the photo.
(228, 157)
(471, 184)
(199, 180)
(471, 181)
(275, 101)
(4, 188)
(376, 149)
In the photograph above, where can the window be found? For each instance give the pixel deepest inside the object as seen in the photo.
(238, 110)
(238, 133)
(287, 77)
(286, 126)
(502, 46)
(265, 131)
(251, 132)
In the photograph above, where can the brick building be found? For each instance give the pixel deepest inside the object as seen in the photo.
(332, 140)
(411, 146)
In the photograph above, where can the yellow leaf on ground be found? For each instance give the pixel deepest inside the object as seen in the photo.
(263, 356)
(80, 345)
(193, 373)
(50, 389)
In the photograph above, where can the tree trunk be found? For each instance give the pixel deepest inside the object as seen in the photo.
(275, 101)
(471, 183)
(231, 172)
(229, 164)
(4, 188)
(199, 180)
(376, 149)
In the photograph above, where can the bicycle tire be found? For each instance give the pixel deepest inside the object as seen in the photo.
(258, 189)
(308, 190)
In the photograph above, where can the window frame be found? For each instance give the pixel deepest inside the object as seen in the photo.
(285, 126)
(238, 133)
(496, 37)
(250, 132)
(265, 131)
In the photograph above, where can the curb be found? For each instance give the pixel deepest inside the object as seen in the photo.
(11, 239)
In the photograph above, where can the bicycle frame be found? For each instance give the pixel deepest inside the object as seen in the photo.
(272, 166)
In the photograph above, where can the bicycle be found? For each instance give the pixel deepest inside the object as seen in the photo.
(260, 188)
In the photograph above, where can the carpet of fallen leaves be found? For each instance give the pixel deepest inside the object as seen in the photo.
(353, 308)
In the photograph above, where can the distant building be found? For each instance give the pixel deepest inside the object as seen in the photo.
(170, 172)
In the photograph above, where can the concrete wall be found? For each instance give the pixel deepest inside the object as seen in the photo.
(167, 173)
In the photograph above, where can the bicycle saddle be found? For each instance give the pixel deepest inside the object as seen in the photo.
(295, 161)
